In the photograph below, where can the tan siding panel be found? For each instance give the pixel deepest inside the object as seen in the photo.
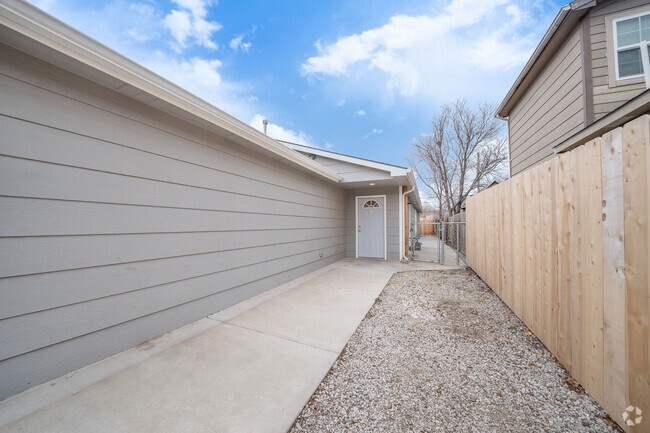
(566, 121)
(600, 81)
(564, 60)
(549, 113)
(599, 37)
(599, 62)
(624, 95)
(616, 6)
(599, 53)
(600, 72)
(549, 99)
(596, 28)
(599, 46)
(551, 109)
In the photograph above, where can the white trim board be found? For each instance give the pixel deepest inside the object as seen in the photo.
(356, 223)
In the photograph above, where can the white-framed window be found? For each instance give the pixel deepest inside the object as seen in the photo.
(631, 38)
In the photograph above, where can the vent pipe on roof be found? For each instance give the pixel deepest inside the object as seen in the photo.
(265, 123)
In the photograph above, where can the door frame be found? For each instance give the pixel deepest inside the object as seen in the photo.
(356, 222)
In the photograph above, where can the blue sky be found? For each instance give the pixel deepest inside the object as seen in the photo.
(356, 77)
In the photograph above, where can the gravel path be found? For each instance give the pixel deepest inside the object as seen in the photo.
(440, 352)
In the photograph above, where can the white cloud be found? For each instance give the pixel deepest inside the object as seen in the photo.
(373, 132)
(413, 55)
(196, 70)
(134, 34)
(340, 103)
(239, 44)
(190, 23)
(279, 133)
(135, 28)
(361, 112)
(498, 51)
(202, 77)
(143, 9)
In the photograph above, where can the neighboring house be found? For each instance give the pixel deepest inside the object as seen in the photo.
(589, 74)
(130, 207)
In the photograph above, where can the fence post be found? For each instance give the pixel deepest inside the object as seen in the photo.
(438, 236)
(457, 244)
(444, 241)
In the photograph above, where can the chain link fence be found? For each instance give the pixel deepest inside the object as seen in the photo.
(439, 242)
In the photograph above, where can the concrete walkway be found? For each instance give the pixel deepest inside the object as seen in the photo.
(250, 368)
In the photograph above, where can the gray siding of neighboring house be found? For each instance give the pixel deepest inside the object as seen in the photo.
(351, 172)
(392, 219)
(609, 96)
(121, 223)
(551, 110)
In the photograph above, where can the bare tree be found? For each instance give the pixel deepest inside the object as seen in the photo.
(464, 153)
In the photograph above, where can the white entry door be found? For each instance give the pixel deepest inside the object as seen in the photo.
(371, 227)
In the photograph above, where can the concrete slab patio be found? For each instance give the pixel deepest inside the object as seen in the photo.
(250, 368)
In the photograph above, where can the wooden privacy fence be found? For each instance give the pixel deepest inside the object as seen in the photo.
(428, 228)
(565, 245)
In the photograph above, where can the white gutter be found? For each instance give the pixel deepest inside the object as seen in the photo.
(46, 30)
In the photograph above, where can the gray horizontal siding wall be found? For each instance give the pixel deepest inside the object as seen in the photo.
(551, 110)
(121, 223)
(392, 219)
(609, 96)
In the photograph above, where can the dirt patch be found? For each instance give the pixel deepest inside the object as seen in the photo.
(440, 352)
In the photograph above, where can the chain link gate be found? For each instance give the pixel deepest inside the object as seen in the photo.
(439, 242)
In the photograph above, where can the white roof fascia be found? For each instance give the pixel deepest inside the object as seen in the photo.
(41, 27)
(393, 170)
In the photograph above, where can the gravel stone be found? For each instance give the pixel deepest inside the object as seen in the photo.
(440, 352)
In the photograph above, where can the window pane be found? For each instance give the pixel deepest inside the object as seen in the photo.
(628, 32)
(645, 35)
(629, 63)
(645, 22)
(645, 28)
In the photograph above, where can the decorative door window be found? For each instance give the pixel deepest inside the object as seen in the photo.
(370, 203)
